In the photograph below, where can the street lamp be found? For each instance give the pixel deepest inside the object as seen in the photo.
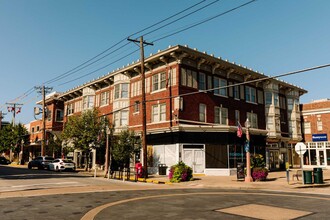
(248, 177)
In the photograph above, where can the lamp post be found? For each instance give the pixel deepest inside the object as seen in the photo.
(248, 177)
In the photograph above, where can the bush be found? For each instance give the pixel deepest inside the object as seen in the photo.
(259, 173)
(180, 172)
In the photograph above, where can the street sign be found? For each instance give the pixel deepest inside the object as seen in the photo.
(300, 148)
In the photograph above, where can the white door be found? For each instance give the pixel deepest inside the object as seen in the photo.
(194, 158)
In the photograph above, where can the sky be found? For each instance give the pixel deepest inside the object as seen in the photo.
(44, 39)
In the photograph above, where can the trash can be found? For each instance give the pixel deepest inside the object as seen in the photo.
(162, 169)
(318, 175)
(308, 177)
(240, 171)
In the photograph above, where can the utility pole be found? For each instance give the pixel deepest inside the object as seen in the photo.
(15, 108)
(1, 117)
(43, 90)
(144, 117)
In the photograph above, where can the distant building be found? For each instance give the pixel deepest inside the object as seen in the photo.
(316, 130)
(194, 103)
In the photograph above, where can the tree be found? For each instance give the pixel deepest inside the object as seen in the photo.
(126, 145)
(11, 137)
(85, 131)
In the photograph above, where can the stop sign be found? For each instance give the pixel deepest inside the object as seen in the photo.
(300, 148)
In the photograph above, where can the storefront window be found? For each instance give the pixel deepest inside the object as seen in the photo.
(328, 157)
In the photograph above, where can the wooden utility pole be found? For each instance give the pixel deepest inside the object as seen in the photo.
(1, 117)
(43, 90)
(144, 117)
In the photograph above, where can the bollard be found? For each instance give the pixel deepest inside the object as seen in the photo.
(288, 176)
(95, 172)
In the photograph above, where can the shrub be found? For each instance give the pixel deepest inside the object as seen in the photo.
(180, 172)
(259, 173)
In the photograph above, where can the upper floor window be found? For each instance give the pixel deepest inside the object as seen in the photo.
(121, 118)
(237, 116)
(159, 81)
(202, 112)
(282, 103)
(32, 130)
(104, 98)
(268, 98)
(136, 107)
(236, 92)
(38, 128)
(253, 118)
(221, 115)
(159, 112)
(202, 81)
(220, 83)
(250, 94)
(319, 124)
(121, 91)
(276, 102)
(59, 115)
(189, 78)
(49, 115)
(88, 102)
(70, 108)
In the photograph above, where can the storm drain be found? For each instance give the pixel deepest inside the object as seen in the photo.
(264, 212)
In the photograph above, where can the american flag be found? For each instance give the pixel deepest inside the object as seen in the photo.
(239, 130)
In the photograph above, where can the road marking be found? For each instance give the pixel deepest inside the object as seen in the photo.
(93, 212)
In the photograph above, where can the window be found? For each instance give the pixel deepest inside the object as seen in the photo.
(202, 81)
(319, 124)
(276, 100)
(236, 92)
(253, 118)
(49, 114)
(250, 94)
(290, 104)
(159, 112)
(268, 98)
(32, 130)
(88, 102)
(219, 83)
(188, 78)
(70, 109)
(209, 82)
(121, 118)
(202, 112)
(237, 116)
(59, 115)
(158, 81)
(136, 107)
(38, 128)
(104, 98)
(221, 115)
(282, 103)
(121, 91)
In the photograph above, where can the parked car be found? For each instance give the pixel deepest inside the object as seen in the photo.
(62, 164)
(40, 162)
(4, 161)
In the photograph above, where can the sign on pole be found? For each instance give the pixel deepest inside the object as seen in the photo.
(300, 149)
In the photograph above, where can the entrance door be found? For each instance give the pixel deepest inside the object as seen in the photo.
(194, 158)
(320, 155)
(274, 159)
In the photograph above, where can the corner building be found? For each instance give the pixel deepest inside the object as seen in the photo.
(194, 102)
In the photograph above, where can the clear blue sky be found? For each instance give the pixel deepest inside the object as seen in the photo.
(42, 39)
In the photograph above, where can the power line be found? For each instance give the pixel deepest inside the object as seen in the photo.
(83, 65)
(206, 20)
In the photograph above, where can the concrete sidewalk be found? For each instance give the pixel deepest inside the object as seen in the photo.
(275, 181)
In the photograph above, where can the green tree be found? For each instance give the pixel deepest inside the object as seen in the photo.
(11, 137)
(85, 131)
(126, 145)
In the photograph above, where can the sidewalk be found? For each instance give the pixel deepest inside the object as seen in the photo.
(275, 181)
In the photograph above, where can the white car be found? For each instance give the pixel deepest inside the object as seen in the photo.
(62, 164)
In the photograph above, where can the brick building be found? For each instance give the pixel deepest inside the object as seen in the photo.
(316, 129)
(194, 102)
(54, 126)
